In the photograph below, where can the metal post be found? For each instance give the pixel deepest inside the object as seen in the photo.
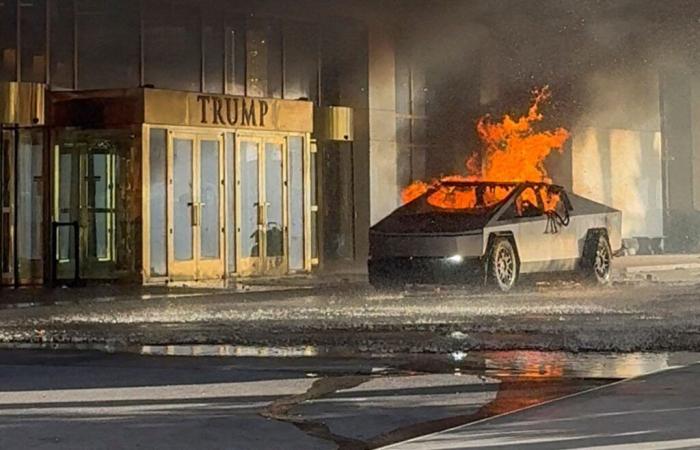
(76, 249)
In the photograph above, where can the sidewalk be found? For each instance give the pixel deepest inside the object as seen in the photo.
(657, 411)
(662, 268)
(30, 296)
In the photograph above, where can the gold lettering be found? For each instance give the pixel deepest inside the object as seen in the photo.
(264, 108)
(203, 99)
(248, 117)
(218, 118)
(232, 113)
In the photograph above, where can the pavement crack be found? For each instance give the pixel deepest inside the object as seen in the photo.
(282, 409)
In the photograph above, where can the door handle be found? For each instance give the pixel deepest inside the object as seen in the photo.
(194, 211)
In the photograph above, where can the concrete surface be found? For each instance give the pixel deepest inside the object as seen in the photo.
(657, 411)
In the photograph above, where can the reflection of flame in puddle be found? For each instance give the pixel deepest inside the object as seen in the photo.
(536, 364)
(229, 350)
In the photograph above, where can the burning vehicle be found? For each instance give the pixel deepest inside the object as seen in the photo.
(502, 219)
(495, 232)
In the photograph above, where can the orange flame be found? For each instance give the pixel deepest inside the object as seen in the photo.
(512, 152)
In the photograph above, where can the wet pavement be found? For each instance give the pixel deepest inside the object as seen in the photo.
(656, 411)
(559, 315)
(88, 399)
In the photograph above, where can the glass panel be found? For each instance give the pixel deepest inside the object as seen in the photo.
(172, 45)
(157, 200)
(296, 203)
(209, 196)
(249, 200)
(106, 27)
(33, 32)
(100, 237)
(301, 61)
(213, 51)
(8, 40)
(256, 62)
(235, 56)
(98, 181)
(29, 208)
(182, 199)
(264, 59)
(100, 205)
(8, 144)
(61, 55)
(274, 199)
(230, 203)
(65, 197)
(6, 183)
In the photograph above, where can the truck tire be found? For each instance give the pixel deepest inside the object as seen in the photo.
(503, 266)
(597, 258)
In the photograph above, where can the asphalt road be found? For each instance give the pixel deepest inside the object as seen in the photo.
(93, 400)
(634, 316)
(654, 412)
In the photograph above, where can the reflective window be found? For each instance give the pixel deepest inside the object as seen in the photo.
(230, 203)
(182, 199)
(235, 56)
(8, 40)
(157, 199)
(249, 193)
(172, 44)
(108, 44)
(264, 59)
(209, 198)
(300, 61)
(33, 40)
(296, 202)
(274, 200)
(61, 55)
(213, 35)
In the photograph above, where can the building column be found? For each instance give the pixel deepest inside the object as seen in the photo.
(384, 188)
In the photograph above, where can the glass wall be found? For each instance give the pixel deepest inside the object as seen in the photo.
(33, 40)
(172, 47)
(108, 43)
(158, 202)
(62, 34)
(30, 204)
(295, 146)
(8, 40)
(183, 45)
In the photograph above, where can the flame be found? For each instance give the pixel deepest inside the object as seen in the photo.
(512, 152)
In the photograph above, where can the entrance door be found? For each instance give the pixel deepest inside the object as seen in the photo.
(196, 207)
(262, 210)
(86, 183)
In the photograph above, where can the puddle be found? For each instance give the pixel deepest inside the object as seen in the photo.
(497, 364)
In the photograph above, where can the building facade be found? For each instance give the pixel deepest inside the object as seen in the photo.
(166, 140)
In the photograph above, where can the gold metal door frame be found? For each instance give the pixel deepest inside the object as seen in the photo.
(80, 151)
(262, 264)
(196, 268)
(7, 207)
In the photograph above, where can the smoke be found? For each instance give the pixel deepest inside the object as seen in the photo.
(602, 60)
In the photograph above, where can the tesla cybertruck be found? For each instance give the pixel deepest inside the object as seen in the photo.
(489, 232)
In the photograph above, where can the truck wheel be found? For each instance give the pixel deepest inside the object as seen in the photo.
(597, 259)
(503, 266)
